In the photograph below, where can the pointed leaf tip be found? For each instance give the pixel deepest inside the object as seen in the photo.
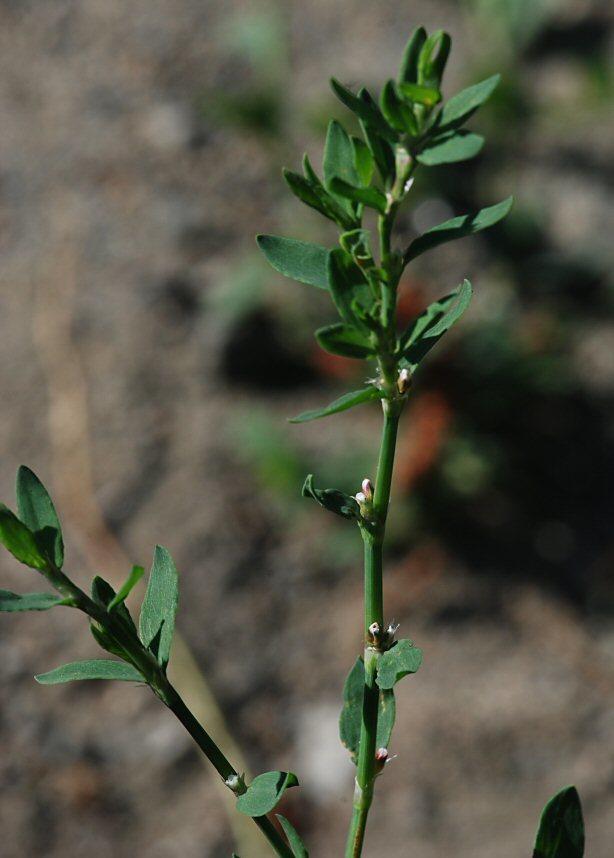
(157, 621)
(37, 512)
(96, 668)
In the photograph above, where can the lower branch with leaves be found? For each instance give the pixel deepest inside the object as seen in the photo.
(408, 127)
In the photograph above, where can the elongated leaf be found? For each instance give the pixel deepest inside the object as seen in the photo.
(348, 400)
(340, 339)
(95, 668)
(104, 595)
(316, 197)
(364, 161)
(265, 792)
(29, 601)
(457, 227)
(409, 64)
(105, 641)
(19, 540)
(36, 510)
(350, 719)
(343, 215)
(348, 286)
(136, 573)
(338, 156)
(433, 58)
(365, 110)
(378, 144)
(425, 320)
(397, 112)
(461, 106)
(422, 344)
(296, 844)
(561, 828)
(299, 260)
(371, 197)
(157, 622)
(400, 660)
(332, 499)
(457, 146)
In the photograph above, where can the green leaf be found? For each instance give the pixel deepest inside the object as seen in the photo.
(425, 320)
(408, 72)
(371, 197)
(313, 194)
(105, 641)
(397, 112)
(19, 540)
(561, 828)
(338, 156)
(433, 58)
(332, 499)
(296, 844)
(348, 400)
(401, 659)
(265, 792)
(364, 162)
(456, 146)
(29, 601)
(457, 227)
(456, 303)
(348, 285)
(350, 719)
(427, 95)
(157, 622)
(299, 260)
(365, 109)
(461, 106)
(378, 144)
(340, 339)
(95, 668)
(136, 573)
(104, 595)
(36, 510)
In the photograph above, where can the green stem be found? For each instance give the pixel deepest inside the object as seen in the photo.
(374, 613)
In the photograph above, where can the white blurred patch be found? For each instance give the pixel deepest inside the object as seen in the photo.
(323, 764)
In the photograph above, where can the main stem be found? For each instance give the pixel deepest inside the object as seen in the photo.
(374, 613)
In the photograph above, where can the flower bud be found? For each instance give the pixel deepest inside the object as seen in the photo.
(404, 381)
(367, 489)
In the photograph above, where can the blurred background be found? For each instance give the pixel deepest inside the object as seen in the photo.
(149, 360)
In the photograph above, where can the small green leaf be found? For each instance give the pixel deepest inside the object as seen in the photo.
(456, 146)
(136, 573)
(400, 660)
(296, 844)
(104, 595)
(408, 72)
(314, 195)
(350, 719)
(427, 95)
(457, 227)
(461, 106)
(561, 828)
(378, 144)
(348, 400)
(364, 162)
(299, 260)
(433, 58)
(29, 601)
(365, 109)
(332, 499)
(96, 668)
(105, 641)
(341, 214)
(397, 112)
(157, 622)
(36, 510)
(340, 339)
(371, 197)
(348, 286)
(265, 792)
(338, 156)
(425, 320)
(425, 335)
(19, 540)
